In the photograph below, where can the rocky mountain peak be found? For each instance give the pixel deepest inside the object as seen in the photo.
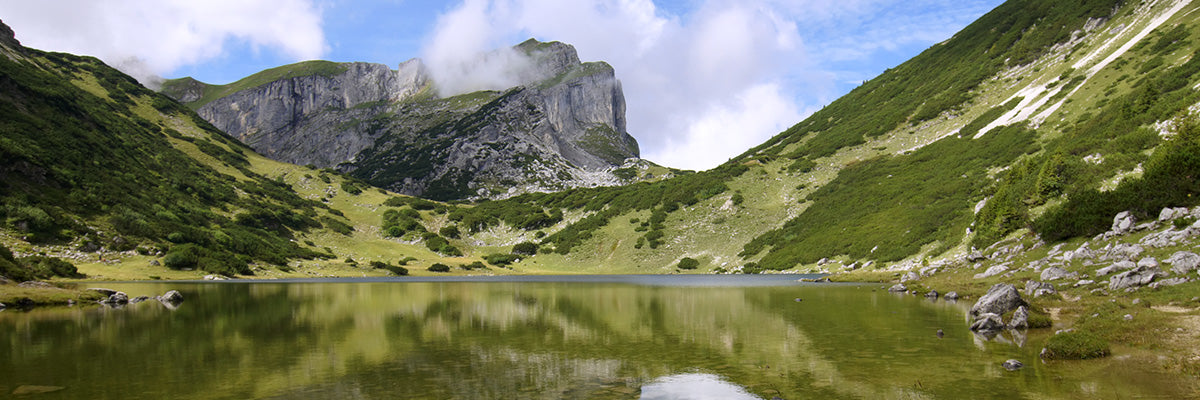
(562, 127)
(8, 39)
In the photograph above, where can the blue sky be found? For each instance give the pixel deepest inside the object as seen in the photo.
(704, 80)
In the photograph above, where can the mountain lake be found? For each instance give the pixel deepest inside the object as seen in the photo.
(542, 337)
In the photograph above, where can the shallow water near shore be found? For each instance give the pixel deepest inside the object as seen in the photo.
(619, 337)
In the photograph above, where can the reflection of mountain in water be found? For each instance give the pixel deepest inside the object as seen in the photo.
(517, 340)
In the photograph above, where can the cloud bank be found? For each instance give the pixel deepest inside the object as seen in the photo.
(711, 81)
(148, 38)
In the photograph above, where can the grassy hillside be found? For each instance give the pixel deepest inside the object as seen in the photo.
(1040, 120)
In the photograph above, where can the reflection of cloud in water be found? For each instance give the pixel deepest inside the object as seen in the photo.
(694, 387)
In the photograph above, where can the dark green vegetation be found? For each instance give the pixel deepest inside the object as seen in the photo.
(1120, 131)
(1075, 346)
(34, 267)
(887, 208)
(939, 80)
(78, 164)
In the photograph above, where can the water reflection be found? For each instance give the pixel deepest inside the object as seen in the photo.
(609, 338)
(694, 387)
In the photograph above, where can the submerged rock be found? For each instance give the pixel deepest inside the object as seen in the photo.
(118, 298)
(951, 296)
(933, 294)
(898, 288)
(173, 297)
(1013, 365)
(988, 322)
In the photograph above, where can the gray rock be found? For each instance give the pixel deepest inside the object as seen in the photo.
(1136, 277)
(117, 298)
(215, 278)
(1056, 273)
(1128, 317)
(988, 322)
(933, 294)
(1117, 266)
(1013, 365)
(1020, 318)
(34, 284)
(3, 306)
(138, 299)
(1000, 299)
(1123, 223)
(951, 296)
(898, 288)
(1183, 262)
(172, 296)
(1125, 251)
(1084, 282)
(993, 271)
(1168, 214)
(155, 263)
(1148, 262)
(1179, 280)
(974, 256)
(909, 276)
(1039, 289)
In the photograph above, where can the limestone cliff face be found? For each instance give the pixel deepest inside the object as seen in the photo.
(564, 127)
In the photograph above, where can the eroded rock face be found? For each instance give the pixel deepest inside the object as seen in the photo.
(564, 127)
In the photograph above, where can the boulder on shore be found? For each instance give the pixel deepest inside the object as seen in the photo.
(1000, 299)
(951, 296)
(898, 288)
(1020, 319)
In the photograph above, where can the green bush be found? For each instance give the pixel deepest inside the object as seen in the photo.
(501, 260)
(401, 271)
(48, 267)
(1075, 345)
(438, 267)
(525, 249)
(450, 232)
(337, 226)
(183, 256)
(688, 263)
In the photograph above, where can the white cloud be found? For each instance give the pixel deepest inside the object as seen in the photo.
(676, 70)
(146, 38)
(725, 75)
(729, 128)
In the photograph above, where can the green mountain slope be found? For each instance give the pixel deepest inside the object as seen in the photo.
(1039, 121)
(1026, 121)
(91, 158)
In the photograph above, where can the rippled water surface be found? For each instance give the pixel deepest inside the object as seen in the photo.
(619, 337)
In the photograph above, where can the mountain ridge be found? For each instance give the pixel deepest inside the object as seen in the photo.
(563, 127)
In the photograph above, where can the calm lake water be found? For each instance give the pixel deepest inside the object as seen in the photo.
(606, 337)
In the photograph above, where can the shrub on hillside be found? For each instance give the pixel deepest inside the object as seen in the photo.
(1075, 345)
(688, 263)
(439, 268)
(525, 249)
